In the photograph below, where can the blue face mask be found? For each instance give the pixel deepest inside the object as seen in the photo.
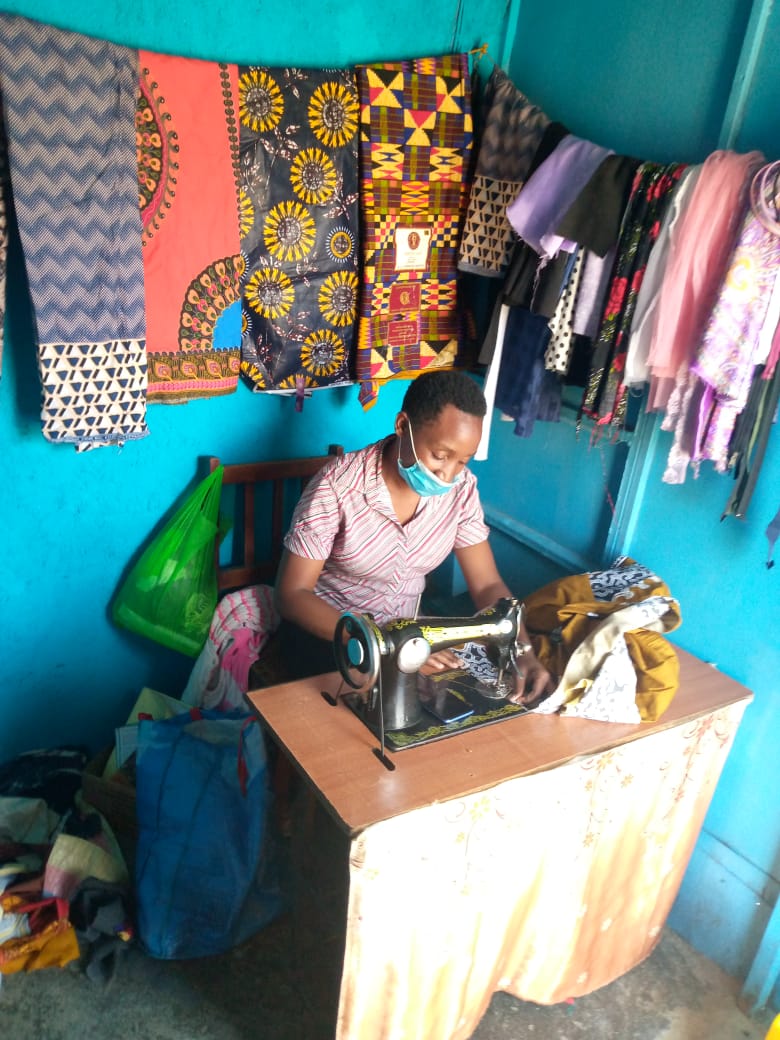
(419, 477)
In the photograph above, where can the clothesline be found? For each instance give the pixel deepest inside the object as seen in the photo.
(295, 228)
(658, 274)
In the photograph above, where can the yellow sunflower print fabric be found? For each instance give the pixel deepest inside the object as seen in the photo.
(299, 226)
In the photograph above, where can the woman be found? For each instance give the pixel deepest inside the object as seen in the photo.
(374, 523)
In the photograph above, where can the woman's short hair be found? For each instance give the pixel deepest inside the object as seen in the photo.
(430, 392)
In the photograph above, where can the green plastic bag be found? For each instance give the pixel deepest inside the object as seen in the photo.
(170, 594)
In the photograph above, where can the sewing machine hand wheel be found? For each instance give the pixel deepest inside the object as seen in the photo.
(357, 651)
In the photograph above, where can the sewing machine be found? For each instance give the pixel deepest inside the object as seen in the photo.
(383, 662)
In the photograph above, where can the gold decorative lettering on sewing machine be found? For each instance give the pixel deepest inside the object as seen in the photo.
(383, 661)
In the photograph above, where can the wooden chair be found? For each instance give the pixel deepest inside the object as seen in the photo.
(265, 494)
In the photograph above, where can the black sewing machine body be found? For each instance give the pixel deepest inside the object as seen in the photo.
(383, 662)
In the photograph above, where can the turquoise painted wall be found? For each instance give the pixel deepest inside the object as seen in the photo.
(72, 521)
(654, 80)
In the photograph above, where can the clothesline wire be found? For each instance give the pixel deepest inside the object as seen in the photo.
(478, 53)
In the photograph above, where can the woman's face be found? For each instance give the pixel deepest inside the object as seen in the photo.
(445, 445)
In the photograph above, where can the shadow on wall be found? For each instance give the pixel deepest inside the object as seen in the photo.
(21, 334)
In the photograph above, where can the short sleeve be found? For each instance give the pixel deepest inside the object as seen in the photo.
(315, 521)
(472, 528)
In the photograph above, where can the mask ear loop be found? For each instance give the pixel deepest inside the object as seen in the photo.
(411, 440)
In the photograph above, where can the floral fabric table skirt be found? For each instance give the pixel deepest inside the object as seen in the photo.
(548, 886)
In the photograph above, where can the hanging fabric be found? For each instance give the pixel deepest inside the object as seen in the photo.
(4, 189)
(605, 395)
(713, 218)
(636, 371)
(512, 130)
(557, 356)
(766, 349)
(299, 232)
(524, 390)
(595, 217)
(725, 360)
(415, 151)
(709, 228)
(772, 534)
(749, 443)
(188, 194)
(593, 222)
(69, 105)
(550, 191)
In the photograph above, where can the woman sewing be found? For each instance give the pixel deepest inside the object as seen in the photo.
(374, 523)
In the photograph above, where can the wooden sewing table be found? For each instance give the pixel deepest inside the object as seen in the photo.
(539, 855)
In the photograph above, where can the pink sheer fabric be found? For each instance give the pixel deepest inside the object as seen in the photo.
(547, 886)
(696, 266)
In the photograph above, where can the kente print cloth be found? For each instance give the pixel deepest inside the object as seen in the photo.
(187, 140)
(69, 104)
(605, 395)
(513, 130)
(299, 226)
(415, 146)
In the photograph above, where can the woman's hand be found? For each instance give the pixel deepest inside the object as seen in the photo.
(533, 682)
(441, 661)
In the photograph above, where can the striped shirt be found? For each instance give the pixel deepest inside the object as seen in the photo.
(373, 564)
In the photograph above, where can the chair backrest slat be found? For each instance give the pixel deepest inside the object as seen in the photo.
(279, 482)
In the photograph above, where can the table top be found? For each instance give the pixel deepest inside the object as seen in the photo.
(333, 749)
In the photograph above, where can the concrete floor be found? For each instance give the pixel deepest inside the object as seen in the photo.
(283, 983)
(257, 992)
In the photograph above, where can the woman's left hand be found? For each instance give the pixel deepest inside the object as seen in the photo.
(533, 682)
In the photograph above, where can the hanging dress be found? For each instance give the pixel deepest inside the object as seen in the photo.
(605, 396)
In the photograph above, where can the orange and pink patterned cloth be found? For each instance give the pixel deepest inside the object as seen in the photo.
(187, 142)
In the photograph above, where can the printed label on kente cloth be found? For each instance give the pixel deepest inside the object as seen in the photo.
(411, 248)
(403, 333)
(404, 297)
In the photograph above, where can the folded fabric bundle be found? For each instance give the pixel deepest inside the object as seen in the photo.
(600, 634)
(241, 627)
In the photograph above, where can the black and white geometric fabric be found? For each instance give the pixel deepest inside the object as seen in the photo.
(69, 107)
(93, 393)
(513, 130)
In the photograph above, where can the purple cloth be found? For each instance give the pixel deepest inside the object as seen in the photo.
(548, 194)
